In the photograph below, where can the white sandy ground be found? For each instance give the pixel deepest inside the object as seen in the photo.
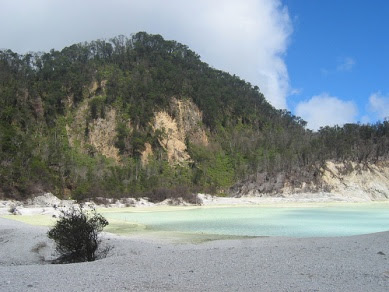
(357, 263)
(44, 204)
(154, 263)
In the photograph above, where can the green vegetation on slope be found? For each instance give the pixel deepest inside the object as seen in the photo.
(41, 95)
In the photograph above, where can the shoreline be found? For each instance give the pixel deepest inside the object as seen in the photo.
(48, 208)
(163, 261)
(48, 201)
(46, 216)
(354, 263)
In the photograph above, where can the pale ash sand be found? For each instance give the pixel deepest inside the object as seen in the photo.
(357, 263)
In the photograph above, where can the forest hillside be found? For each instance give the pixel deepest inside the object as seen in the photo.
(144, 116)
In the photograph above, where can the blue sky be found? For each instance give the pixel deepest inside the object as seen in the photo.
(324, 60)
(340, 49)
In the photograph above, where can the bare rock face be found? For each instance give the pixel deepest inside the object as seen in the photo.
(101, 132)
(182, 123)
(369, 181)
(146, 154)
(348, 180)
(186, 124)
(279, 184)
(189, 120)
(102, 135)
(173, 140)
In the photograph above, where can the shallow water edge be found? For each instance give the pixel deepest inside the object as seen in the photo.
(197, 224)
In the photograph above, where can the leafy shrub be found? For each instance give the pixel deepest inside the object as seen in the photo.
(76, 234)
(82, 191)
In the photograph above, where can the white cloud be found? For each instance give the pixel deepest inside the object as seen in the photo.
(325, 110)
(248, 37)
(379, 104)
(346, 64)
(296, 91)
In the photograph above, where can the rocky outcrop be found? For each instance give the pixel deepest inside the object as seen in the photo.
(280, 183)
(184, 123)
(180, 124)
(173, 139)
(368, 181)
(349, 180)
(102, 135)
(146, 154)
(190, 121)
(96, 135)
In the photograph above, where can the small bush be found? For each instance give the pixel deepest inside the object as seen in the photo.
(101, 201)
(76, 234)
(13, 210)
(161, 194)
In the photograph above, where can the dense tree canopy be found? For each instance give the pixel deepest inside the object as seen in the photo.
(138, 76)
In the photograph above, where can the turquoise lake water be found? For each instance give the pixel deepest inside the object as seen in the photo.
(265, 221)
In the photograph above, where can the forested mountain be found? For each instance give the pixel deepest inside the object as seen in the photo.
(145, 116)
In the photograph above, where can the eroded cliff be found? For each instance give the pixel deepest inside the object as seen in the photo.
(340, 180)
